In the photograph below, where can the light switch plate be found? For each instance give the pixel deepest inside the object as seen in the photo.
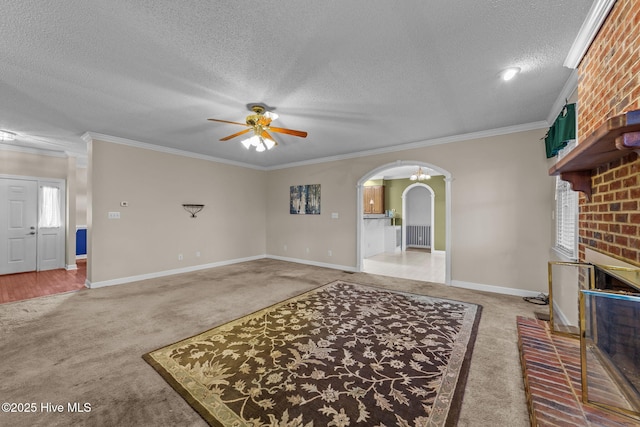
(114, 215)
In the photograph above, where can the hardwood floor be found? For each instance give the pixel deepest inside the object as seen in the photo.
(409, 265)
(22, 286)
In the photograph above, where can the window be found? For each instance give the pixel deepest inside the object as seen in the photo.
(566, 214)
(50, 207)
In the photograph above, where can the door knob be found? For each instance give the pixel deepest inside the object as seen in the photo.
(33, 232)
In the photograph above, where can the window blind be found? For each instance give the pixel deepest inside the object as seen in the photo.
(566, 214)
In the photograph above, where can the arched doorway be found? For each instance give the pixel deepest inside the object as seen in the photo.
(418, 205)
(447, 178)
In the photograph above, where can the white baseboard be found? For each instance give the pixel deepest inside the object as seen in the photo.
(494, 289)
(81, 256)
(314, 263)
(456, 283)
(70, 267)
(123, 280)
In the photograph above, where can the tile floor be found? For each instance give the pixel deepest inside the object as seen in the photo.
(411, 264)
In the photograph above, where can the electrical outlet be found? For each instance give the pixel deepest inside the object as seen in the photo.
(285, 248)
(330, 252)
(180, 257)
(197, 254)
(307, 250)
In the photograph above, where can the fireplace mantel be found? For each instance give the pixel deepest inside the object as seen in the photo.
(615, 138)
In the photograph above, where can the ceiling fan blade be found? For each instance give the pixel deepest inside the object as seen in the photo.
(226, 138)
(227, 121)
(265, 134)
(299, 133)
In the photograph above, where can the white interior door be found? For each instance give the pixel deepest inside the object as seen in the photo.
(18, 225)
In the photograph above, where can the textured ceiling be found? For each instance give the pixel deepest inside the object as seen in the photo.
(356, 75)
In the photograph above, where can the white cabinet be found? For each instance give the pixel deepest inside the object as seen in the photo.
(374, 235)
(392, 241)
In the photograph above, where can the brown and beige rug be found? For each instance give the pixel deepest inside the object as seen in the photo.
(340, 355)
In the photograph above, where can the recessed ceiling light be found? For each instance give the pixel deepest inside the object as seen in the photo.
(5, 135)
(509, 73)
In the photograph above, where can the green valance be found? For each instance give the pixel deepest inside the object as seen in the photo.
(562, 131)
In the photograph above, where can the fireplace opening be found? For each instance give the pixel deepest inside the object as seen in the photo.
(611, 339)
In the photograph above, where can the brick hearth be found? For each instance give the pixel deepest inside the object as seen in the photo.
(551, 372)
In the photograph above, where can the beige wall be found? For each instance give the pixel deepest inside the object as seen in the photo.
(81, 196)
(34, 165)
(155, 228)
(500, 220)
(500, 225)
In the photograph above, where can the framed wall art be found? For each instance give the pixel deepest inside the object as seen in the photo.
(304, 199)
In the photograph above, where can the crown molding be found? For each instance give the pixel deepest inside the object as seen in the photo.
(419, 144)
(31, 150)
(590, 27)
(90, 136)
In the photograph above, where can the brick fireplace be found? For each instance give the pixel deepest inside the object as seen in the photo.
(609, 220)
(609, 85)
(605, 168)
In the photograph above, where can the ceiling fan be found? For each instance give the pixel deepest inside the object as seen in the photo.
(260, 123)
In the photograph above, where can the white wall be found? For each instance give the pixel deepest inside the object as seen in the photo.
(418, 200)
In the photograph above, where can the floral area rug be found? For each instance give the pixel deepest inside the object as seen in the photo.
(340, 355)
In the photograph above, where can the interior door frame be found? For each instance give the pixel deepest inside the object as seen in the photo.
(63, 211)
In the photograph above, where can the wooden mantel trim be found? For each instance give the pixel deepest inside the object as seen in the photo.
(615, 138)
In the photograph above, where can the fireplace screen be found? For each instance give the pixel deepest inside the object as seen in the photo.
(566, 280)
(610, 347)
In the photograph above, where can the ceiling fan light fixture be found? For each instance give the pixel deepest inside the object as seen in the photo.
(268, 143)
(250, 141)
(261, 144)
(260, 124)
(509, 73)
(271, 115)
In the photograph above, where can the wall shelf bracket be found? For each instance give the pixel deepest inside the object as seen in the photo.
(579, 180)
(192, 209)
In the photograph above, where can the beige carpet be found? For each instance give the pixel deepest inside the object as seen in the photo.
(85, 347)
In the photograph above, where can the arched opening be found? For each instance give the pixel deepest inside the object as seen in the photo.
(418, 206)
(439, 235)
